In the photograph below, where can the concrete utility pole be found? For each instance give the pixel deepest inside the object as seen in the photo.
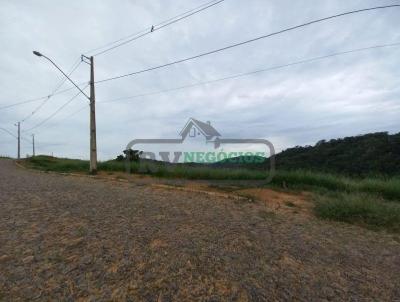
(19, 139)
(92, 100)
(33, 145)
(93, 143)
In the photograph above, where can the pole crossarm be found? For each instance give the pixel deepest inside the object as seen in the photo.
(84, 59)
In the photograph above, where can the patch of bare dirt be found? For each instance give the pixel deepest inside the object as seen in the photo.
(289, 203)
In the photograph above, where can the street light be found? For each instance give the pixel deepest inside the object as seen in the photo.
(36, 53)
(93, 143)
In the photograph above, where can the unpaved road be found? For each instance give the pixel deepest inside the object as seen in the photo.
(65, 238)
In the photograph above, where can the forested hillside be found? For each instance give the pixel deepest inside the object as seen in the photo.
(369, 154)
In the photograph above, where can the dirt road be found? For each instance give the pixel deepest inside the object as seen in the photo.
(65, 238)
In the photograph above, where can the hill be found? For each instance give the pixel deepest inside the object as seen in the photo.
(363, 155)
(374, 153)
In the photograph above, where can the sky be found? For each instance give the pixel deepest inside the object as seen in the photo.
(340, 96)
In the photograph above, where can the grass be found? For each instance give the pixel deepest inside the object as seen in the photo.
(322, 182)
(48, 163)
(371, 202)
(303, 180)
(361, 209)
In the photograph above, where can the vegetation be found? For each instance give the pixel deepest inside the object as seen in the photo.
(364, 155)
(388, 188)
(361, 209)
(131, 155)
(373, 202)
(48, 163)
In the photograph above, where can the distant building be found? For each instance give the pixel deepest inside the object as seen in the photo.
(195, 128)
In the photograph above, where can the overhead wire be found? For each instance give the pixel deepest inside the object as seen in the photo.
(43, 97)
(68, 116)
(247, 41)
(54, 113)
(304, 61)
(156, 27)
(75, 66)
(9, 132)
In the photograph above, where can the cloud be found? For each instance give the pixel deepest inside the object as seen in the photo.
(340, 96)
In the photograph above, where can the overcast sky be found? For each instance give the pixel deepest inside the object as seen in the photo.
(341, 96)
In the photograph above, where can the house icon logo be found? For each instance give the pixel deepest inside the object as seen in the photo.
(195, 128)
(224, 148)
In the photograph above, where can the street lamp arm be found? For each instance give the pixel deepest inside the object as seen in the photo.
(55, 65)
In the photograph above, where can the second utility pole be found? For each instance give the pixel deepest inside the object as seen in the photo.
(19, 139)
(93, 143)
(33, 145)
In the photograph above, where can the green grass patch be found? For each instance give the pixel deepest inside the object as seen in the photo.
(360, 209)
(297, 180)
(322, 183)
(48, 163)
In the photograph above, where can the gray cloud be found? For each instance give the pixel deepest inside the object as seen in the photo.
(346, 95)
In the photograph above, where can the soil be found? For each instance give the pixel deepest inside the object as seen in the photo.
(68, 238)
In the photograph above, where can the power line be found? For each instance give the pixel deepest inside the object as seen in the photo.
(41, 98)
(9, 132)
(253, 72)
(45, 98)
(74, 67)
(147, 30)
(69, 116)
(27, 140)
(247, 41)
(75, 112)
(158, 26)
(72, 70)
(55, 112)
(14, 136)
(24, 102)
(51, 145)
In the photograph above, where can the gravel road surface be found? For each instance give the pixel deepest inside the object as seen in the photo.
(66, 238)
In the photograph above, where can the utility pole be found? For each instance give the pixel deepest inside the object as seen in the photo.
(33, 145)
(93, 143)
(92, 100)
(19, 139)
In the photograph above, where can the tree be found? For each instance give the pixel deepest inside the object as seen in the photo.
(132, 155)
(120, 158)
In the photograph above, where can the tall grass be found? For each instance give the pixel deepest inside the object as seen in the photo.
(359, 208)
(307, 180)
(181, 171)
(386, 188)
